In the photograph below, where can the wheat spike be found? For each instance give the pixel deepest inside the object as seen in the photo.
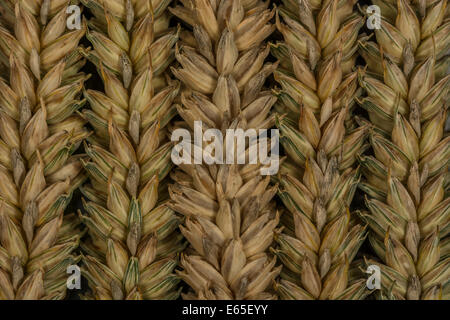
(321, 140)
(39, 132)
(133, 244)
(407, 178)
(230, 219)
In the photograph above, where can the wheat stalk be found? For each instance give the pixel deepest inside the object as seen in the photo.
(319, 178)
(39, 132)
(407, 178)
(133, 242)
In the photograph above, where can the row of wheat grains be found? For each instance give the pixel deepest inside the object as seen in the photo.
(407, 179)
(150, 230)
(40, 88)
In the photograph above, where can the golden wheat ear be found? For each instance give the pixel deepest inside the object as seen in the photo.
(133, 243)
(407, 178)
(230, 216)
(322, 140)
(39, 133)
